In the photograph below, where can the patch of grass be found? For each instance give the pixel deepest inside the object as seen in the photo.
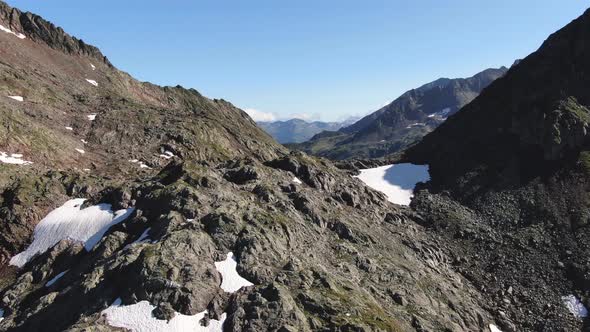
(584, 161)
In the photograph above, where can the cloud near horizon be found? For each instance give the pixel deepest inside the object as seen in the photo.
(260, 116)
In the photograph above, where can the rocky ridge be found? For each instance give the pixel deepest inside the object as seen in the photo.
(509, 185)
(402, 122)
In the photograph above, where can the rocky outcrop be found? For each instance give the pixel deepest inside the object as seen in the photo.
(510, 183)
(38, 29)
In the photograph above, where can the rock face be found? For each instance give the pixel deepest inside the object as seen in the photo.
(324, 253)
(510, 182)
(38, 29)
(402, 122)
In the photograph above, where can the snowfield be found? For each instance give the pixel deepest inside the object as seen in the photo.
(70, 221)
(15, 158)
(18, 35)
(575, 306)
(397, 181)
(231, 281)
(138, 318)
(17, 98)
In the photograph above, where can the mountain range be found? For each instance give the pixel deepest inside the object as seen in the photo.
(129, 206)
(402, 122)
(298, 130)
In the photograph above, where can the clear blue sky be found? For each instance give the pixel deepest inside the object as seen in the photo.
(324, 58)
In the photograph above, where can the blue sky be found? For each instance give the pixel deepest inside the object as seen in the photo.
(308, 58)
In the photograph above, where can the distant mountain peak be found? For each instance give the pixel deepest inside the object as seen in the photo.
(403, 121)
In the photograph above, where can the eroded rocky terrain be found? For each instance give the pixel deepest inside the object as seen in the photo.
(497, 239)
(323, 251)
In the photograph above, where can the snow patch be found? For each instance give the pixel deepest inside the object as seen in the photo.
(297, 181)
(418, 124)
(18, 35)
(494, 328)
(15, 158)
(84, 141)
(397, 182)
(441, 114)
(93, 67)
(138, 318)
(231, 281)
(17, 98)
(575, 306)
(69, 128)
(141, 163)
(56, 278)
(70, 221)
(81, 151)
(167, 155)
(93, 82)
(91, 117)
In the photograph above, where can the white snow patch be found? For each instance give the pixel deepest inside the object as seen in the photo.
(441, 114)
(141, 163)
(56, 278)
(91, 117)
(18, 35)
(575, 306)
(17, 98)
(418, 124)
(69, 221)
(397, 182)
(297, 181)
(93, 82)
(81, 151)
(494, 328)
(69, 128)
(15, 158)
(138, 318)
(93, 67)
(143, 236)
(167, 155)
(84, 141)
(231, 281)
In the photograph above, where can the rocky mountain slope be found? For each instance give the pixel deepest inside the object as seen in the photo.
(297, 130)
(402, 122)
(510, 184)
(120, 202)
